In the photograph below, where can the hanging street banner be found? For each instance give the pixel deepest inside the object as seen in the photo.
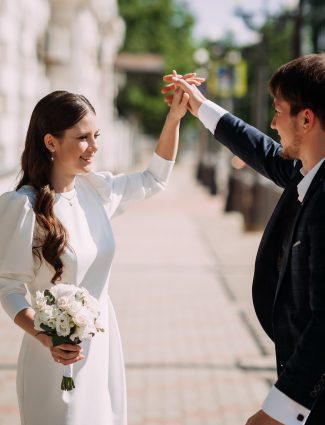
(228, 80)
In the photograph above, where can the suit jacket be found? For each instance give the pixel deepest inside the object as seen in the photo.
(289, 300)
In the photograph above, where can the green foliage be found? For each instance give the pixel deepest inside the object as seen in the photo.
(162, 27)
(313, 12)
(263, 58)
(59, 340)
(278, 35)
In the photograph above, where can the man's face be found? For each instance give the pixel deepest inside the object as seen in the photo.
(287, 128)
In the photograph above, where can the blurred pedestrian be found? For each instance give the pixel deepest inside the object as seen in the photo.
(55, 227)
(289, 278)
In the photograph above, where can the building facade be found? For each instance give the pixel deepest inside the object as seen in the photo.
(48, 45)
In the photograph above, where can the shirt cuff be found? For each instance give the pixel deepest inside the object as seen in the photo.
(161, 168)
(209, 114)
(285, 410)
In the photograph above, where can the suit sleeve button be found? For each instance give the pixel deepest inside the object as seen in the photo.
(300, 417)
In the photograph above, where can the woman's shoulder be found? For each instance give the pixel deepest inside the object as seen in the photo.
(18, 199)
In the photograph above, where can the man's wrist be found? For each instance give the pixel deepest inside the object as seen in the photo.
(283, 409)
(210, 114)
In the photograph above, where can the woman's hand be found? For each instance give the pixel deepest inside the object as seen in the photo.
(189, 85)
(178, 106)
(65, 353)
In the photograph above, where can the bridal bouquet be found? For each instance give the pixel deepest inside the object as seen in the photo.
(70, 315)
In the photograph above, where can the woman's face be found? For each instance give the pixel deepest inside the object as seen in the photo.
(73, 153)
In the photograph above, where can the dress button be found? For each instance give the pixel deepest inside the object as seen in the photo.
(300, 417)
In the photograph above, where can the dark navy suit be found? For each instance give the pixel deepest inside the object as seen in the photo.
(289, 278)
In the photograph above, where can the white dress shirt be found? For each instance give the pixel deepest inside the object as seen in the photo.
(277, 404)
(304, 184)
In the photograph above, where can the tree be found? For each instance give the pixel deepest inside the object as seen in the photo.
(275, 47)
(161, 27)
(314, 11)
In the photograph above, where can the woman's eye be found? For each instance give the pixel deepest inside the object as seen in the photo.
(97, 135)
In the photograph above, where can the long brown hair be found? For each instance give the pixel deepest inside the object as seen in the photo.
(55, 113)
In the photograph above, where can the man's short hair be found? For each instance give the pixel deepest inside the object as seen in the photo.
(301, 83)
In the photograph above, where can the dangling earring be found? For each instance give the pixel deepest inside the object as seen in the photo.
(52, 159)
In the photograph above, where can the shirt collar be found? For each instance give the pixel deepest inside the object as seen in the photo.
(304, 184)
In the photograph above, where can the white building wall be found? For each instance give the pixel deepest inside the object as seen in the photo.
(47, 45)
(21, 74)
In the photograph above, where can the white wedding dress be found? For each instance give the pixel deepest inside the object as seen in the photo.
(100, 394)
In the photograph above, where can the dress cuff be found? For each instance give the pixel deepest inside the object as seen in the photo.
(161, 168)
(209, 114)
(285, 410)
(14, 303)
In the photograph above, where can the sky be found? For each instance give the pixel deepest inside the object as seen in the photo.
(215, 17)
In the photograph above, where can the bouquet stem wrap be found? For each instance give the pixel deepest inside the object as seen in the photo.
(67, 383)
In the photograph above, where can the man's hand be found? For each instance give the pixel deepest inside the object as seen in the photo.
(191, 78)
(188, 83)
(261, 418)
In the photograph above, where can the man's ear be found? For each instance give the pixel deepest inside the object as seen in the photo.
(50, 142)
(308, 119)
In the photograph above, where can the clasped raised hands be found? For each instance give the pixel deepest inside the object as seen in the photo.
(183, 91)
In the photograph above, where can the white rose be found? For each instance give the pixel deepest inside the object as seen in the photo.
(92, 304)
(82, 293)
(82, 317)
(49, 315)
(63, 325)
(64, 302)
(99, 326)
(40, 300)
(63, 290)
(80, 333)
(87, 332)
(74, 307)
(37, 322)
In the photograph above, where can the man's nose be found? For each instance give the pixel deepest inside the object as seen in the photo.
(273, 123)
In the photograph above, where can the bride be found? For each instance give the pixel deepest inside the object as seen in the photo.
(55, 227)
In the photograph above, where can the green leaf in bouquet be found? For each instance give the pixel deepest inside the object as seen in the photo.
(58, 340)
(50, 299)
(48, 330)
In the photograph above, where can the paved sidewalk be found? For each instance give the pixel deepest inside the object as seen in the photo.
(181, 288)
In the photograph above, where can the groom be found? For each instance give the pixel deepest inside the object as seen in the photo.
(289, 278)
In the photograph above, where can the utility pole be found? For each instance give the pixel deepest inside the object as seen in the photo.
(298, 20)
